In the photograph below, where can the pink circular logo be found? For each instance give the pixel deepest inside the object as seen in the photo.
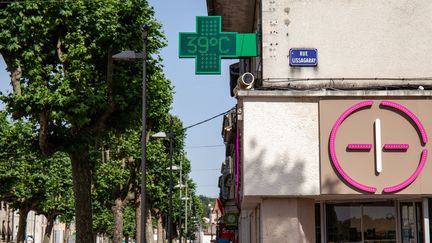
(387, 104)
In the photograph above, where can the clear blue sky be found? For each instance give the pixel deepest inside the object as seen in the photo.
(196, 98)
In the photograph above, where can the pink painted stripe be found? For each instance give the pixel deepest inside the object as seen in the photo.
(333, 156)
(237, 154)
(396, 146)
(410, 115)
(359, 146)
(412, 177)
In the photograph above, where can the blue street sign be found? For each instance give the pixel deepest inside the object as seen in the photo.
(303, 57)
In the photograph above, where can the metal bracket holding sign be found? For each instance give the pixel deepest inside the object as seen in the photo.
(209, 45)
(303, 57)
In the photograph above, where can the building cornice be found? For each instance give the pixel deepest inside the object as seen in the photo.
(332, 93)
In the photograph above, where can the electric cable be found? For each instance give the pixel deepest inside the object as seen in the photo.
(209, 119)
(43, 1)
(206, 146)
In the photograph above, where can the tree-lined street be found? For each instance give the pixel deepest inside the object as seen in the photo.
(71, 127)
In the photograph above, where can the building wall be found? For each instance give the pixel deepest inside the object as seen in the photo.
(362, 40)
(245, 226)
(355, 39)
(280, 147)
(36, 226)
(288, 220)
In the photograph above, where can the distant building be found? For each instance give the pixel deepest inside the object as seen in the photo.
(36, 226)
(331, 141)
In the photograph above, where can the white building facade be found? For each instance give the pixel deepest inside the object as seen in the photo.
(337, 151)
(35, 229)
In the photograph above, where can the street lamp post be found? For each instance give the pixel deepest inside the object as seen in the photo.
(180, 186)
(129, 55)
(170, 168)
(170, 181)
(186, 198)
(143, 138)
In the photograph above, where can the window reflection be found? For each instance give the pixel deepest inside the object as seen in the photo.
(379, 223)
(343, 223)
(362, 222)
(411, 222)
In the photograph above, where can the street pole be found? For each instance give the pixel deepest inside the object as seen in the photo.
(13, 225)
(34, 227)
(8, 223)
(143, 138)
(186, 215)
(171, 181)
(181, 189)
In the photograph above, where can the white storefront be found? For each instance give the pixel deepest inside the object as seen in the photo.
(334, 152)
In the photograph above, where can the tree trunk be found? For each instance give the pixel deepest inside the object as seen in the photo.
(66, 234)
(138, 217)
(160, 229)
(164, 232)
(95, 236)
(81, 175)
(15, 80)
(149, 227)
(48, 230)
(22, 224)
(117, 211)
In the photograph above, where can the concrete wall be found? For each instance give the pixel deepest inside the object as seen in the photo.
(280, 147)
(367, 38)
(245, 226)
(288, 220)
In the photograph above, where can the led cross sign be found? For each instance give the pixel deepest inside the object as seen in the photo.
(209, 44)
(379, 147)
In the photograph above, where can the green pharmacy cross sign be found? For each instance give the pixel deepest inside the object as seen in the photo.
(209, 44)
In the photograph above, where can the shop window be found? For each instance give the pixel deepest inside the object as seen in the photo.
(344, 223)
(317, 223)
(411, 222)
(379, 222)
(430, 217)
(361, 222)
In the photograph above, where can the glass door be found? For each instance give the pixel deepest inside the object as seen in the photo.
(368, 222)
(379, 222)
(411, 222)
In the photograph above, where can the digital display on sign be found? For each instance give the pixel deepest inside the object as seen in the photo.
(208, 45)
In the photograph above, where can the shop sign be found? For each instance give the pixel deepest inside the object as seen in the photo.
(375, 146)
(231, 220)
(225, 233)
(303, 57)
(208, 45)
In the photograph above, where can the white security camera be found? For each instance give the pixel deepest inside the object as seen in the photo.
(246, 81)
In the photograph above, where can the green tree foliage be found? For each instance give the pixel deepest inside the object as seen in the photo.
(117, 177)
(197, 215)
(115, 181)
(158, 162)
(206, 204)
(59, 56)
(15, 155)
(129, 221)
(29, 181)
